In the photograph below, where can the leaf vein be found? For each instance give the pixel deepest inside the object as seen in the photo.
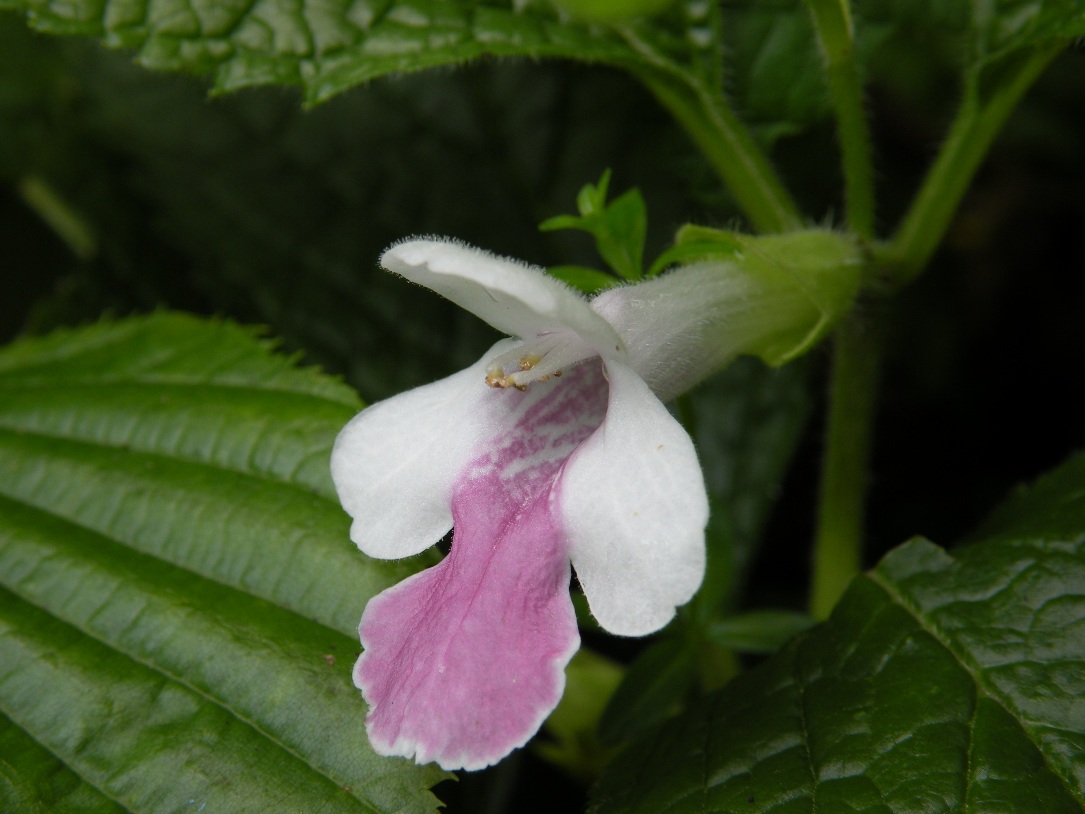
(171, 677)
(975, 672)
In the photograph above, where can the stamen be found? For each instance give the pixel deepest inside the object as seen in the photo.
(496, 376)
(537, 360)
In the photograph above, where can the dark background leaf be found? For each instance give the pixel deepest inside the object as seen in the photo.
(248, 205)
(942, 682)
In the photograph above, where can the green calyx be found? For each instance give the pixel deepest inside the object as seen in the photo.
(808, 280)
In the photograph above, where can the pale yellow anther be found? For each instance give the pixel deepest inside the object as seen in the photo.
(496, 376)
(535, 361)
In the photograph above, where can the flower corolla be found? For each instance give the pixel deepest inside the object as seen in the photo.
(554, 448)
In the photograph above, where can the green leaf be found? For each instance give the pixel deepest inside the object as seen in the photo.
(612, 10)
(619, 228)
(590, 681)
(1051, 508)
(986, 33)
(651, 690)
(178, 593)
(758, 631)
(776, 73)
(329, 47)
(942, 682)
(582, 278)
(33, 781)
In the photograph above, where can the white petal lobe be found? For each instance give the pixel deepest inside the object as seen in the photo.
(394, 464)
(634, 506)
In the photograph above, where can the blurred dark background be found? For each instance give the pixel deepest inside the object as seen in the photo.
(250, 207)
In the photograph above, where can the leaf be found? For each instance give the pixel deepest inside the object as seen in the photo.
(652, 688)
(944, 681)
(619, 227)
(986, 32)
(33, 781)
(1052, 508)
(329, 47)
(776, 74)
(609, 10)
(277, 215)
(775, 71)
(590, 681)
(763, 631)
(178, 594)
(582, 278)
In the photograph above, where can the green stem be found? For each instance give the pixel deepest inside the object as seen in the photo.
(699, 105)
(978, 122)
(68, 224)
(832, 22)
(704, 112)
(733, 153)
(858, 345)
(852, 394)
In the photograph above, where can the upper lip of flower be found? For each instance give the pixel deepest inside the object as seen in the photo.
(515, 298)
(622, 491)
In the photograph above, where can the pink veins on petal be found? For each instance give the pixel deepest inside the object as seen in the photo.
(464, 661)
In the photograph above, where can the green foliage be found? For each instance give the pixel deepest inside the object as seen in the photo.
(746, 422)
(776, 76)
(982, 36)
(619, 227)
(248, 206)
(758, 631)
(612, 10)
(651, 691)
(33, 781)
(574, 745)
(175, 578)
(584, 279)
(943, 678)
(178, 597)
(326, 47)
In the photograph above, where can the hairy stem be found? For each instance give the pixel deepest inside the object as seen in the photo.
(979, 120)
(836, 36)
(852, 395)
(858, 344)
(731, 150)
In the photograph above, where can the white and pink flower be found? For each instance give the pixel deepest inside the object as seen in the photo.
(553, 448)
